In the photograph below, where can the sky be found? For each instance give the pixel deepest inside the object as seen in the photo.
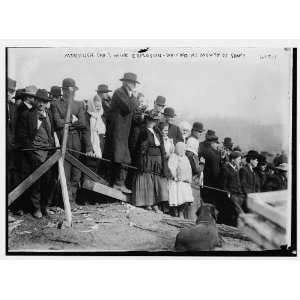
(248, 85)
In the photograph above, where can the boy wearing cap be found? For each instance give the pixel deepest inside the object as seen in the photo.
(230, 181)
(78, 129)
(118, 128)
(55, 93)
(37, 132)
(248, 176)
(174, 132)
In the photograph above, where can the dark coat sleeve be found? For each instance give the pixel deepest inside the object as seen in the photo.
(86, 135)
(179, 137)
(244, 178)
(194, 162)
(81, 123)
(24, 134)
(224, 179)
(59, 122)
(123, 101)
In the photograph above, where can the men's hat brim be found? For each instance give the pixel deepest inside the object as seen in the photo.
(74, 87)
(43, 99)
(125, 79)
(26, 94)
(103, 91)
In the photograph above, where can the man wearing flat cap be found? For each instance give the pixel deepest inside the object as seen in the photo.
(78, 129)
(174, 131)
(55, 93)
(248, 176)
(103, 92)
(37, 132)
(118, 128)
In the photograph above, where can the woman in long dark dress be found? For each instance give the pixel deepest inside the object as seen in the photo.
(150, 187)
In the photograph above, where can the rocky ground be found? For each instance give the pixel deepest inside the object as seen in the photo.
(107, 227)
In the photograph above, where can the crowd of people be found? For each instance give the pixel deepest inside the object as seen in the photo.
(146, 154)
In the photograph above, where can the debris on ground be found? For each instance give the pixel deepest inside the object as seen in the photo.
(109, 227)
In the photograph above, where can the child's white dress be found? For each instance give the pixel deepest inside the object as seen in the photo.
(180, 192)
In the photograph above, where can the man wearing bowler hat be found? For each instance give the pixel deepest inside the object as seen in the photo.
(103, 92)
(226, 149)
(37, 132)
(118, 128)
(248, 175)
(78, 129)
(174, 131)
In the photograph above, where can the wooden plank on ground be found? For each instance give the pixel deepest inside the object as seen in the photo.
(105, 190)
(83, 168)
(32, 178)
(63, 184)
(271, 205)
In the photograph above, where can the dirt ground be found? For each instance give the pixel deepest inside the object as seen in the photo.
(107, 227)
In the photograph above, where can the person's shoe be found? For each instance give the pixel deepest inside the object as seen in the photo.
(157, 210)
(19, 212)
(37, 214)
(45, 212)
(125, 190)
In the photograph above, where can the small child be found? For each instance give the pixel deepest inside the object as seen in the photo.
(180, 191)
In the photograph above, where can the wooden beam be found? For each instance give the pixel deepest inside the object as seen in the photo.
(32, 178)
(67, 123)
(105, 190)
(83, 168)
(63, 184)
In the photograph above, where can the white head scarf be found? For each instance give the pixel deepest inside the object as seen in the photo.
(97, 125)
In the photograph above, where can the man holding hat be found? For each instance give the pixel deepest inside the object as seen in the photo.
(78, 129)
(118, 128)
(248, 176)
(103, 92)
(230, 181)
(37, 131)
(174, 131)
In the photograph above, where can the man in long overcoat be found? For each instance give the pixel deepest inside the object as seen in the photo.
(78, 132)
(118, 129)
